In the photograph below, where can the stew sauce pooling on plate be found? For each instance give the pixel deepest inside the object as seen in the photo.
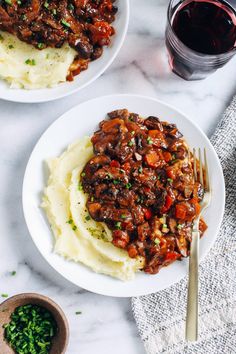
(85, 24)
(140, 183)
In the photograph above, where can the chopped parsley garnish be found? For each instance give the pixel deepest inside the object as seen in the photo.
(164, 226)
(118, 225)
(30, 330)
(71, 7)
(65, 23)
(74, 228)
(78, 312)
(116, 181)
(130, 143)
(149, 140)
(13, 273)
(140, 169)
(31, 62)
(11, 46)
(128, 185)
(4, 295)
(123, 216)
(88, 217)
(70, 221)
(170, 180)
(80, 187)
(157, 241)
(40, 45)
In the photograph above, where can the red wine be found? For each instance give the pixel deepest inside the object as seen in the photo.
(207, 27)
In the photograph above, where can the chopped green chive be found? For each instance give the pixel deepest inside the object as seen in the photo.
(78, 312)
(149, 140)
(71, 7)
(92, 199)
(4, 295)
(118, 225)
(140, 170)
(40, 45)
(88, 217)
(170, 180)
(13, 273)
(157, 241)
(123, 216)
(46, 4)
(116, 181)
(65, 23)
(130, 143)
(70, 221)
(179, 226)
(83, 174)
(128, 185)
(31, 62)
(164, 226)
(30, 330)
(74, 228)
(80, 187)
(11, 46)
(54, 11)
(8, 2)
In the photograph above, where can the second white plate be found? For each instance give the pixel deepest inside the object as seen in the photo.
(95, 69)
(78, 122)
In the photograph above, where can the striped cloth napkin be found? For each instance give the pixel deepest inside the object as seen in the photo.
(161, 317)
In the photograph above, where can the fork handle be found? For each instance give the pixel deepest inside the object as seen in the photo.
(191, 333)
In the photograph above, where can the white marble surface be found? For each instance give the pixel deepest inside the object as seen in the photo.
(106, 324)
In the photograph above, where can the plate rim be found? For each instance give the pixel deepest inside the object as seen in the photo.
(61, 95)
(127, 95)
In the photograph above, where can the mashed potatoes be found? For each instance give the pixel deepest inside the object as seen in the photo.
(24, 66)
(77, 236)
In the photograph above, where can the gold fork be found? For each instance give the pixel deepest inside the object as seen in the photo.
(191, 333)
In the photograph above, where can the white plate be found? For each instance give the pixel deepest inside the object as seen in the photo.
(95, 69)
(82, 120)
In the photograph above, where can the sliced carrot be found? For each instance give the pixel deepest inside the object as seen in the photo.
(167, 156)
(180, 211)
(153, 159)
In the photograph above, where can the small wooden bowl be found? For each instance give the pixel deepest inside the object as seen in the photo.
(59, 342)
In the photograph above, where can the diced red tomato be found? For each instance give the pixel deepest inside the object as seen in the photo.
(172, 256)
(132, 251)
(126, 167)
(148, 214)
(168, 202)
(202, 225)
(101, 31)
(180, 211)
(167, 156)
(170, 172)
(114, 163)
